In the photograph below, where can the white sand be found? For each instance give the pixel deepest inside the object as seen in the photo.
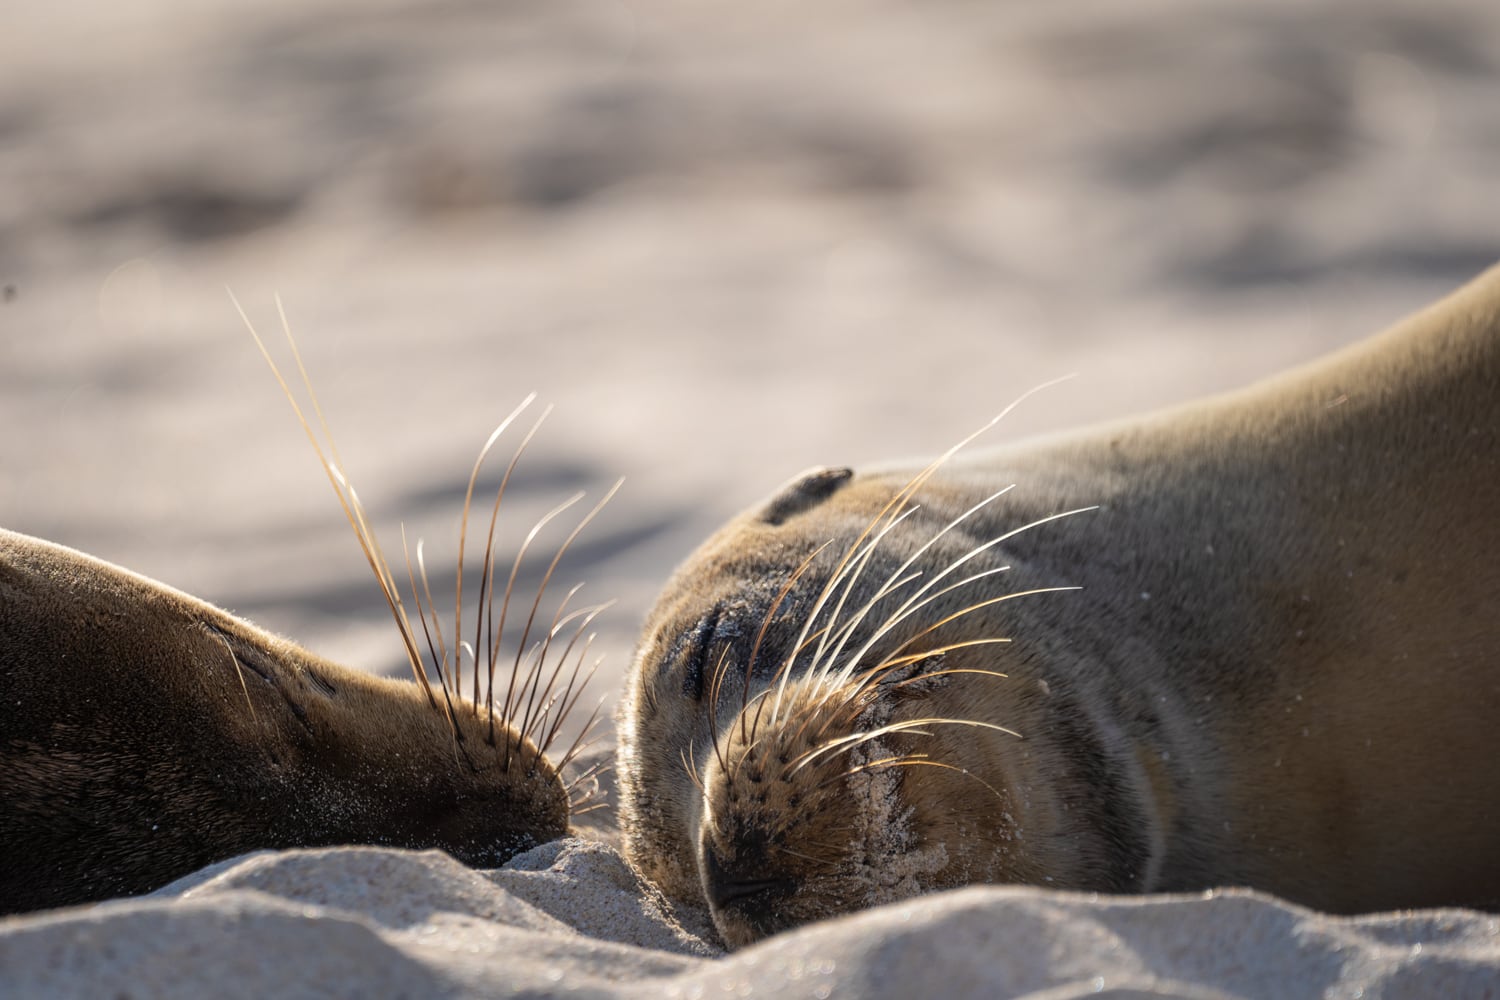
(729, 241)
(570, 919)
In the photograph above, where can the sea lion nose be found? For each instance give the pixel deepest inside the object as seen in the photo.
(744, 881)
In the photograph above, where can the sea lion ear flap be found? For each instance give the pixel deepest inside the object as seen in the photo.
(803, 492)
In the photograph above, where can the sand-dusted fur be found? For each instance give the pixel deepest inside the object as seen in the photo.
(145, 733)
(1281, 668)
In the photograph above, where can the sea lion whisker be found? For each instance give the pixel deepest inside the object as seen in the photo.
(752, 743)
(846, 629)
(447, 703)
(915, 602)
(765, 623)
(957, 670)
(835, 708)
(856, 554)
(786, 664)
(582, 740)
(848, 740)
(908, 609)
(896, 760)
(574, 689)
(710, 709)
(752, 737)
(559, 622)
(692, 770)
(449, 678)
(465, 646)
(348, 502)
(558, 555)
(508, 708)
(921, 598)
(561, 698)
(847, 572)
(588, 774)
(783, 849)
(485, 606)
(846, 743)
(913, 762)
(529, 662)
(920, 479)
(463, 527)
(571, 694)
(867, 685)
(585, 797)
(422, 619)
(239, 672)
(979, 606)
(354, 510)
(838, 705)
(380, 565)
(585, 789)
(925, 473)
(876, 674)
(845, 580)
(893, 584)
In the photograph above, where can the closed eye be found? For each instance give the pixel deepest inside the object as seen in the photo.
(694, 651)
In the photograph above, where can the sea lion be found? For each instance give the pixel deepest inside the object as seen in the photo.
(145, 733)
(1280, 667)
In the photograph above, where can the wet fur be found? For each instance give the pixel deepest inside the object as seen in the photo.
(1280, 671)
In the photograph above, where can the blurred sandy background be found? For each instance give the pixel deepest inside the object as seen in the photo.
(727, 241)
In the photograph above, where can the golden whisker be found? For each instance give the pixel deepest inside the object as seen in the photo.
(844, 744)
(348, 499)
(582, 741)
(422, 612)
(765, 623)
(463, 526)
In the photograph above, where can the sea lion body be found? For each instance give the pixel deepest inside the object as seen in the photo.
(145, 733)
(1282, 669)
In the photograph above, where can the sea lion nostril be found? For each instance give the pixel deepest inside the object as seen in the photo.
(741, 879)
(737, 887)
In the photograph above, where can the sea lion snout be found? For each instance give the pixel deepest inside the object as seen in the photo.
(742, 886)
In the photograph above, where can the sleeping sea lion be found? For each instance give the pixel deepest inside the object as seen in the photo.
(1250, 641)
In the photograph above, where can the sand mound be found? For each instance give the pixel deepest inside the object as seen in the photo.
(571, 918)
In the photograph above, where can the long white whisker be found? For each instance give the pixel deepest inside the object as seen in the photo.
(463, 538)
(852, 740)
(855, 559)
(348, 499)
(848, 576)
(891, 584)
(915, 602)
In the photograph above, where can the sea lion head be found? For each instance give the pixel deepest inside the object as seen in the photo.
(147, 733)
(819, 718)
(373, 760)
(449, 774)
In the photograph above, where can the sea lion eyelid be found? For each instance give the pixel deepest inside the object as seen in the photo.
(692, 650)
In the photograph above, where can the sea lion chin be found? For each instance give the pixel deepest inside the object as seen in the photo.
(1251, 641)
(145, 733)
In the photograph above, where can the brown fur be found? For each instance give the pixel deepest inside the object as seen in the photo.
(1282, 669)
(144, 733)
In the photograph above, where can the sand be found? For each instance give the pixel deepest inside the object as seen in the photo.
(571, 919)
(727, 242)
